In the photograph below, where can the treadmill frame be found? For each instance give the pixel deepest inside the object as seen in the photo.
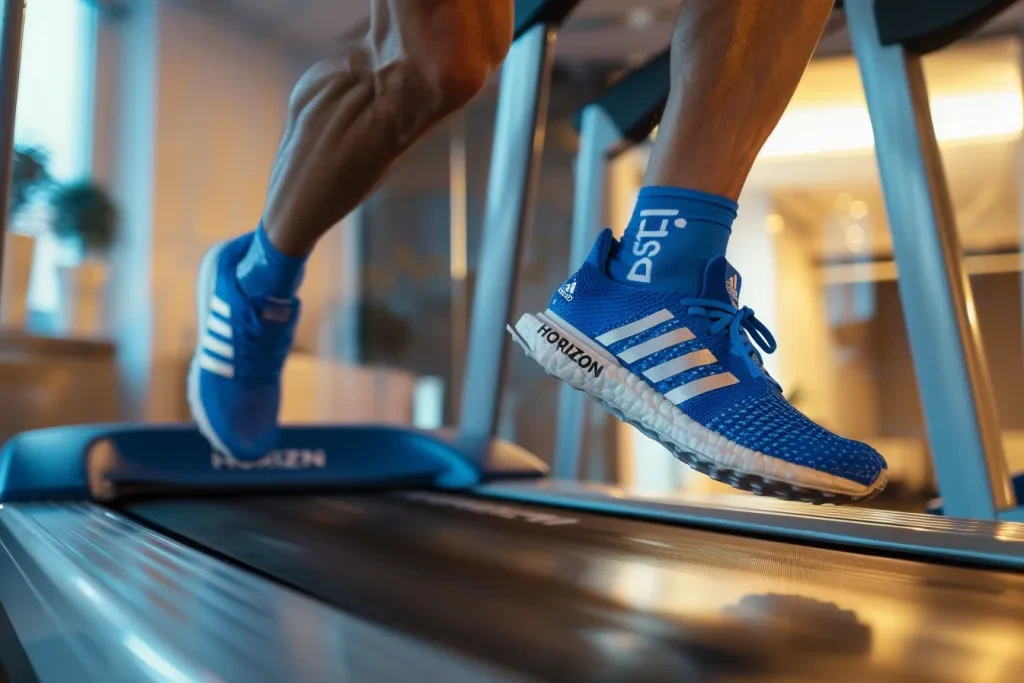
(926, 537)
(959, 407)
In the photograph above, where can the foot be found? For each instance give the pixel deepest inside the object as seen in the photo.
(684, 372)
(234, 384)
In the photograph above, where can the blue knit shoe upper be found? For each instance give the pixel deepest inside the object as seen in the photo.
(235, 378)
(701, 353)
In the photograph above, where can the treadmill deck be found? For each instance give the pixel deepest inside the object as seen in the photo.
(568, 595)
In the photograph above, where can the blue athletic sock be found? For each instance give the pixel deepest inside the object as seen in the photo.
(265, 271)
(671, 237)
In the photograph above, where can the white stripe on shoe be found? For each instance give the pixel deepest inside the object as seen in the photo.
(220, 307)
(216, 366)
(662, 341)
(671, 368)
(642, 325)
(221, 348)
(633, 400)
(693, 389)
(218, 327)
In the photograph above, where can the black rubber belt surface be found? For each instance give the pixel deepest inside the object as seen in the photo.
(565, 596)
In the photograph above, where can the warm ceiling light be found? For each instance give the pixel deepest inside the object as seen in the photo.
(821, 130)
(855, 237)
(858, 209)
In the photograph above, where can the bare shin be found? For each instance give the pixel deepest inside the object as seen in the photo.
(735, 66)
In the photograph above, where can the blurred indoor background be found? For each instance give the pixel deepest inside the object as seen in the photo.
(146, 131)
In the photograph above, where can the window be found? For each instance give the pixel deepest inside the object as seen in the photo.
(54, 97)
(55, 117)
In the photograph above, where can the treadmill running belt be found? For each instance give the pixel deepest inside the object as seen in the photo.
(562, 595)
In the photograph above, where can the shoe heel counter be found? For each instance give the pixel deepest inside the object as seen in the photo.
(583, 280)
(601, 251)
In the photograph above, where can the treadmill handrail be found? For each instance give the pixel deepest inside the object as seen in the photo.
(635, 102)
(923, 26)
(529, 13)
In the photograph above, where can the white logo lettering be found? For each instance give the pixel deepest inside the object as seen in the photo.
(288, 459)
(567, 290)
(731, 286)
(642, 267)
(635, 273)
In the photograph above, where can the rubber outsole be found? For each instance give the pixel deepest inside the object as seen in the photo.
(581, 380)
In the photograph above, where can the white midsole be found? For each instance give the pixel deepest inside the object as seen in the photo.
(204, 292)
(639, 402)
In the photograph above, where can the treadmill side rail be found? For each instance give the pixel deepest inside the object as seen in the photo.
(928, 537)
(105, 462)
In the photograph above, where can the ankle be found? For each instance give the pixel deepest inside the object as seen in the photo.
(265, 271)
(673, 234)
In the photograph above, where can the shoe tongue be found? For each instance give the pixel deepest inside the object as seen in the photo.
(722, 282)
(279, 311)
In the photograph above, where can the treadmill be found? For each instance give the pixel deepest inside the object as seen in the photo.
(363, 553)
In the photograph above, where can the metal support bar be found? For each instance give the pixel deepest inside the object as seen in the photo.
(11, 30)
(956, 395)
(458, 257)
(352, 257)
(511, 191)
(598, 135)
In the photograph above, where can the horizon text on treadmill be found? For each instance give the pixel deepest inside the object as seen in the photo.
(286, 459)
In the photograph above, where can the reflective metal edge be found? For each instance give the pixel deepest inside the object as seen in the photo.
(511, 193)
(597, 136)
(953, 377)
(94, 596)
(993, 544)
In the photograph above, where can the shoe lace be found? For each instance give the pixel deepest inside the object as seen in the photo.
(263, 344)
(736, 322)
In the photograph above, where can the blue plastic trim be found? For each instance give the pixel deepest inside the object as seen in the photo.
(935, 506)
(529, 13)
(96, 461)
(635, 103)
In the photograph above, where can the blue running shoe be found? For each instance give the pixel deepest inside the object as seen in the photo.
(234, 384)
(685, 372)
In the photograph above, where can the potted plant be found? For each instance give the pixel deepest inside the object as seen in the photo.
(85, 217)
(28, 181)
(84, 220)
(68, 239)
(29, 175)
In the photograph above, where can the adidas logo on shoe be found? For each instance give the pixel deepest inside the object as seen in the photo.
(732, 286)
(567, 290)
